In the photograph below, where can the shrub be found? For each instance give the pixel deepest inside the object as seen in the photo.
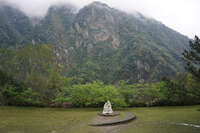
(29, 98)
(62, 97)
(9, 94)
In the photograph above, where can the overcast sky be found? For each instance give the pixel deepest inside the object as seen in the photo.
(180, 15)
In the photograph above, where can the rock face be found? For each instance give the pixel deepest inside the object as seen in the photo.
(107, 109)
(97, 23)
(99, 42)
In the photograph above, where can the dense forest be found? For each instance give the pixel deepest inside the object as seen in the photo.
(33, 76)
(82, 59)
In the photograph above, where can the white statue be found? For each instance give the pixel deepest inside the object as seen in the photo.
(107, 109)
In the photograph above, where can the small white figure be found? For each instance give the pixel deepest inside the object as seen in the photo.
(107, 109)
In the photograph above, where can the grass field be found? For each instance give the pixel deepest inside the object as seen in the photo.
(57, 120)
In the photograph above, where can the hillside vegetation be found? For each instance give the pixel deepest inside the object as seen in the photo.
(82, 59)
(99, 42)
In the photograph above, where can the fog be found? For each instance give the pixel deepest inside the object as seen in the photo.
(180, 15)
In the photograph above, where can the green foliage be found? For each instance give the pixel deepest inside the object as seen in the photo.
(140, 94)
(181, 91)
(192, 57)
(60, 99)
(9, 94)
(126, 91)
(33, 67)
(63, 96)
(12, 96)
(147, 94)
(62, 93)
(95, 95)
(28, 97)
(5, 78)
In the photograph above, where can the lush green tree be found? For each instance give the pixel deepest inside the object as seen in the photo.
(5, 78)
(192, 57)
(63, 94)
(95, 95)
(145, 94)
(9, 94)
(6, 56)
(38, 68)
(34, 66)
(126, 91)
(182, 90)
(62, 97)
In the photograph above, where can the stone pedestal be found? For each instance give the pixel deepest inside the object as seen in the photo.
(107, 117)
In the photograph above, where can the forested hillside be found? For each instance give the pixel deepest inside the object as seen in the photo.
(82, 58)
(15, 27)
(98, 42)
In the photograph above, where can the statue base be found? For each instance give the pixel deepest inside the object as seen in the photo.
(107, 121)
(109, 114)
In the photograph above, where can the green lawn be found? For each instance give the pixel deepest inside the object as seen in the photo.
(56, 120)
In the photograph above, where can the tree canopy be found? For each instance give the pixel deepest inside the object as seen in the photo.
(192, 57)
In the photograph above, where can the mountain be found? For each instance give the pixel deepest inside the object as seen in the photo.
(15, 27)
(55, 26)
(99, 42)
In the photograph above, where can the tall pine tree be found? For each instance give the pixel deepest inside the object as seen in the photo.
(192, 57)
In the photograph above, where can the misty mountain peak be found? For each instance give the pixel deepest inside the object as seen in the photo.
(62, 8)
(99, 4)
